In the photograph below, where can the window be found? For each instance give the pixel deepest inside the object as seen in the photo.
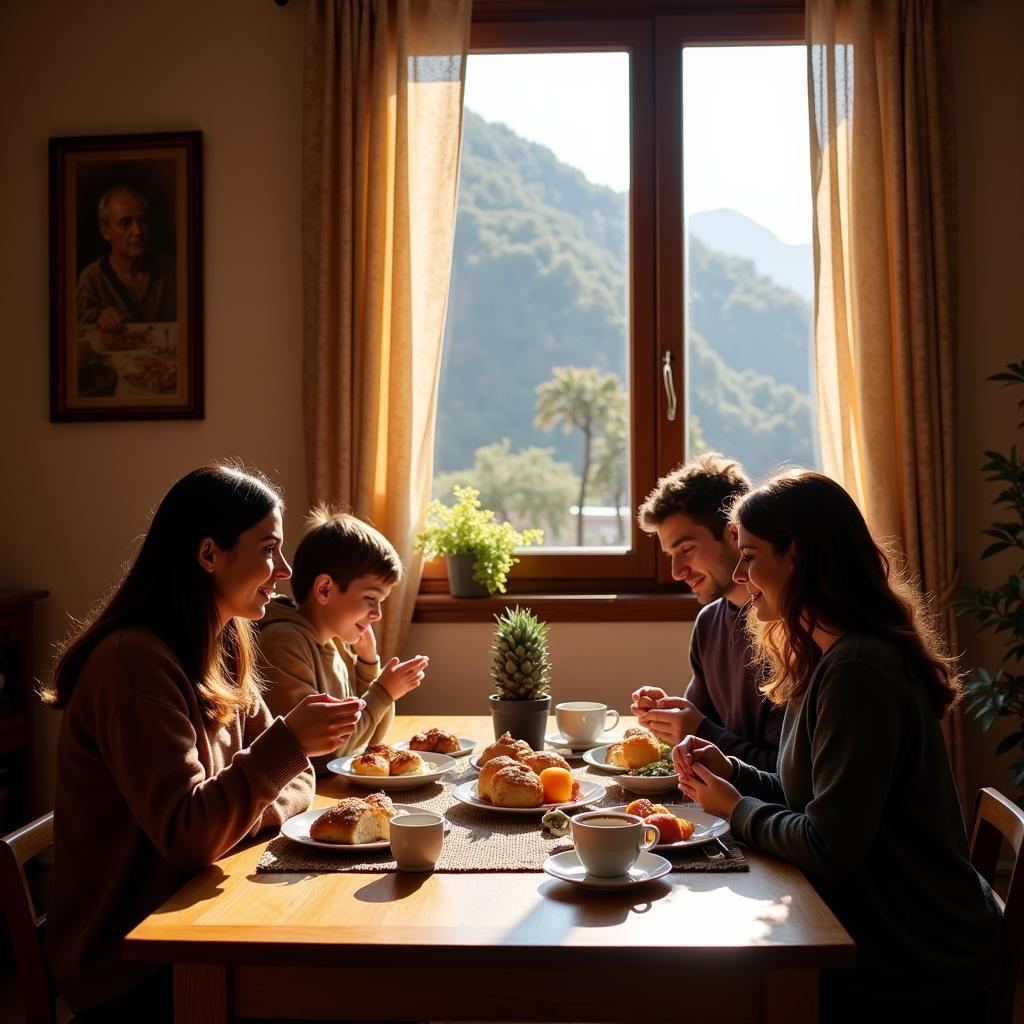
(576, 298)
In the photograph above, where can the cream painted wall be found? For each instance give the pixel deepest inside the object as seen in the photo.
(989, 82)
(75, 495)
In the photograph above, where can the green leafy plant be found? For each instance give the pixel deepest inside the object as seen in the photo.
(999, 693)
(522, 667)
(467, 529)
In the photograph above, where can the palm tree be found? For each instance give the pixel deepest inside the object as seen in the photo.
(577, 398)
(612, 452)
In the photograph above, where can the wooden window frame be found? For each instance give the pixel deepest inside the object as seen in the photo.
(635, 585)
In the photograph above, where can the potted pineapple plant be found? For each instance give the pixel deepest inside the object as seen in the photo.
(478, 551)
(521, 671)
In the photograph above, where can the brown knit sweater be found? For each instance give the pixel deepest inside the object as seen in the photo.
(147, 794)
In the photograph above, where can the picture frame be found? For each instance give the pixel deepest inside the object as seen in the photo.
(126, 277)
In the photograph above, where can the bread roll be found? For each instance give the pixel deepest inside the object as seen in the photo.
(436, 741)
(489, 770)
(640, 747)
(616, 756)
(538, 760)
(507, 746)
(516, 786)
(370, 764)
(407, 762)
(384, 750)
(353, 820)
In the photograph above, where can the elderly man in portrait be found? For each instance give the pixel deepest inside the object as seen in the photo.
(132, 283)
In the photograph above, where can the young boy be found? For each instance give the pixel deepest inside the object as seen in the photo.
(323, 641)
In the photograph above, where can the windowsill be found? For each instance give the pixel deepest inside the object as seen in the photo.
(560, 607)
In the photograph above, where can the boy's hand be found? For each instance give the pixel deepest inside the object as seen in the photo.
(366, 646)
(323, 723)
(399, 677)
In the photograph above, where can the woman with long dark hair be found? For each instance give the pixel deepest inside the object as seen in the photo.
(863, 799)
(167, 755)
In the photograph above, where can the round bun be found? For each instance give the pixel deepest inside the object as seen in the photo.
(407, 762)
(640, 747)
(384, 750)
(370, 764)
(436, 741)
(489, 770)
(517, 786)
(669, 826)
(507, 746)
(353, 820)
(538, 760)
(616, 756)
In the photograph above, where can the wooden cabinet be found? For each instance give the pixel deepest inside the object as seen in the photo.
(17, 700)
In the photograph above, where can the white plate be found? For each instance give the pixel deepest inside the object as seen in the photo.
(442, 764)
(645, 785)
(465, 747)
(589, 791)
(556, 739)
(568, 868)
(597, 756)
(297, 829)
(708, 826)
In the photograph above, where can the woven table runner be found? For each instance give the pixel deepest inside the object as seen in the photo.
(481, 840)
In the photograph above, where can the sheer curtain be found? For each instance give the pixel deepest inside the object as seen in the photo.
(382, 122)
(883, 178)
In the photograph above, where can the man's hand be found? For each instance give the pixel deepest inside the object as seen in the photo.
(703, 772)
(400, 677)
(645, 698)
(672, 722)
(110, 320)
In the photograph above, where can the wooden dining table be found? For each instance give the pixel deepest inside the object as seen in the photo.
(498, 946)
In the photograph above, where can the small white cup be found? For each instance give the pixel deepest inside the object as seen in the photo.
(416, 840)
(609, 842)
(582, 721)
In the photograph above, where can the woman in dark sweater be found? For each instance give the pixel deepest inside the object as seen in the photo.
(863, 800)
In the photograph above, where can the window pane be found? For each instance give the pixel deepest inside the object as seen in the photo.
(749, 263)
(533, 408)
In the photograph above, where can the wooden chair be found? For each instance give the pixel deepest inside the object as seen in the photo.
(24, 924)
(996, 819)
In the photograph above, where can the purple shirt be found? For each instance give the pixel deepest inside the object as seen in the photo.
(737, 718)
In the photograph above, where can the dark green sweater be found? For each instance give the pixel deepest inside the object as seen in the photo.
(864, 803)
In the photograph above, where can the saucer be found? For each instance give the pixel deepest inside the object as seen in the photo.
(556, 739)
(567, 867)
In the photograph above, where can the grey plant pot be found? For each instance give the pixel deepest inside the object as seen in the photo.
(460, 577)
(524, 719)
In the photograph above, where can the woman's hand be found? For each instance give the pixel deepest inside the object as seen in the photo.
(703, 771)
(322, 723)
(400, 677)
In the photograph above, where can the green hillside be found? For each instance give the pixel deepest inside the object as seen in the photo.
(538, 281)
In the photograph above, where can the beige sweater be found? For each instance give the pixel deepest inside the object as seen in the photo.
(148, 794)
(296, 664)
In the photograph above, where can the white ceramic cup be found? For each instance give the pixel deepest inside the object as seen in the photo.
(581, 721)
(609, 842)
(416, 840)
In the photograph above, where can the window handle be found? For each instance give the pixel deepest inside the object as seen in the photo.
(670, 388)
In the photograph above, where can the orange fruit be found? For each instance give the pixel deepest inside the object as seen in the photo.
(557, 783)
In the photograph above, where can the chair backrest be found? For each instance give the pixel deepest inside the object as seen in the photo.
(996, 819)
(25, 925)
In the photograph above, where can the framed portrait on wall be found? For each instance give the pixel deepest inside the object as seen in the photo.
(126, 299)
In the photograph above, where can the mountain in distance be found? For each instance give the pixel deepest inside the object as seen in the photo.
(735, 234)
(539, 279)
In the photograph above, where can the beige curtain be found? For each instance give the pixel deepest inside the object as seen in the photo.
(883, 177)
(382, 122)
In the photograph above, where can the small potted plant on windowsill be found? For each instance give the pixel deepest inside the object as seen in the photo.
(521, 671)
(478, 551)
